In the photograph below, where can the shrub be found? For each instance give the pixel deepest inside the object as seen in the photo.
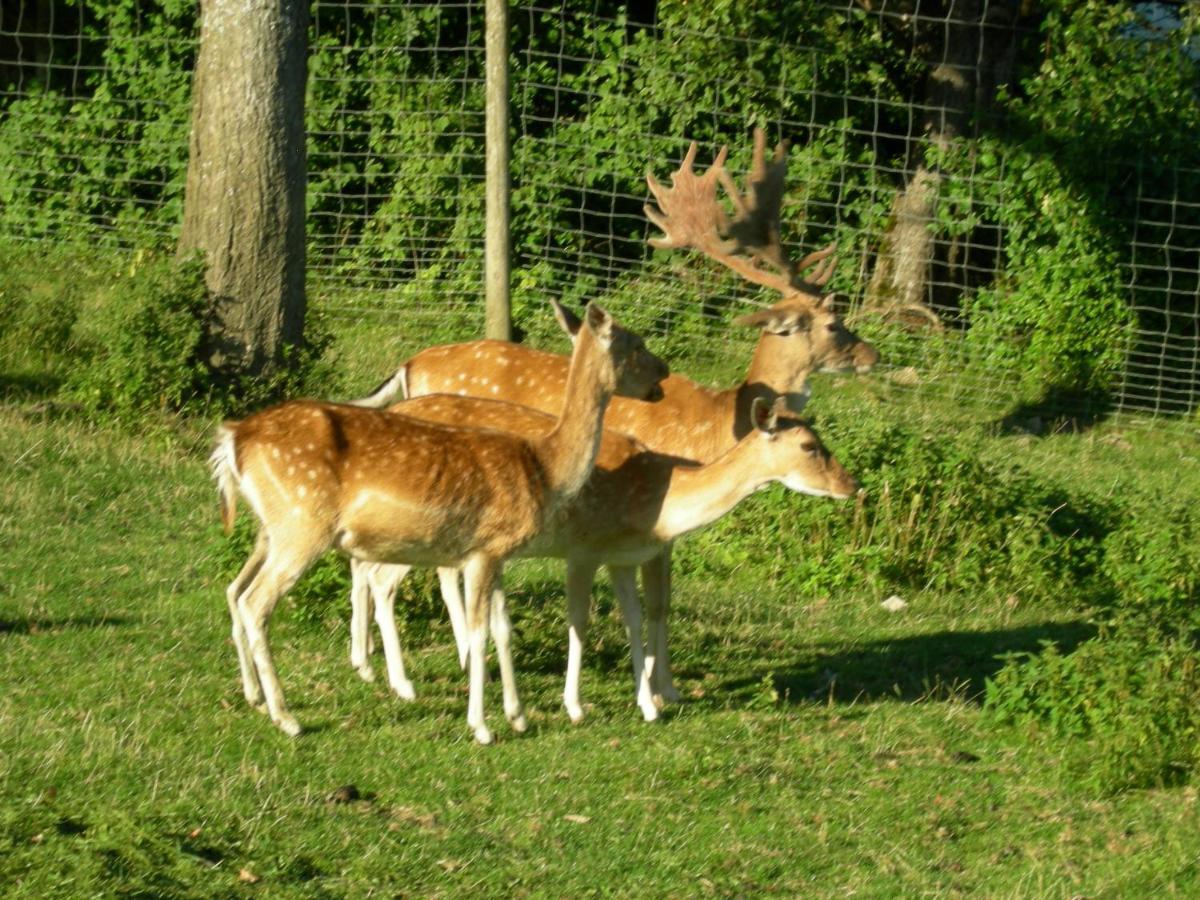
(124, 333)
(1152, 562)
(138, 340)
(937, 514)
(1127, 702)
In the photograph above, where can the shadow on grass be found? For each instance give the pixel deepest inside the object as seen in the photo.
(1058, 411)
(52, 626)
(927, 666)
(20, 387)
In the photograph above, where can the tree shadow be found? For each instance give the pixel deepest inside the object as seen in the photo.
(1058, 411)
(40, 625)
(26, 386)
(938, 665)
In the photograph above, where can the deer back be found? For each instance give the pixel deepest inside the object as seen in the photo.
(616, 508)
(687, 421)
(388, 487)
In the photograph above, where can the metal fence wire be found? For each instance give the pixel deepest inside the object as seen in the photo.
(994, 231)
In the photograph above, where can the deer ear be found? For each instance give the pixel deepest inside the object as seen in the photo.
(567, 320)
(829, 303)
(599, 321)
(764, 416)
(781, 322)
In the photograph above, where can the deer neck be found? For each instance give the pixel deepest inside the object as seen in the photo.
(780, 367)
(568, 451)
(699, 495)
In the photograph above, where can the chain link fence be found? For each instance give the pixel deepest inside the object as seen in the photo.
(1041, 240)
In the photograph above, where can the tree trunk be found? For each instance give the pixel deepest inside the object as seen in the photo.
(973, 57)
(244, 200)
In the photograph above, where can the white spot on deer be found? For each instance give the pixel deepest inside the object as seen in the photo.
(302, 491)
(495, 388)
(275, 452)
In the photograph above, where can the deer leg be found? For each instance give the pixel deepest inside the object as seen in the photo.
(277, 574)
(250, 685)
(502, 637)
(452, 597)
(624, 582)
(656, 585)
(360, 619)
(479, 577)
(384, 579)
(580, 576)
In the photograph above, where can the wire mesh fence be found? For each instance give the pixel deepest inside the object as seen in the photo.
(1039, 239)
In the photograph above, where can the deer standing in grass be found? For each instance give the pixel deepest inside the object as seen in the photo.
(635, 503)
(388, 488)
(799, 335)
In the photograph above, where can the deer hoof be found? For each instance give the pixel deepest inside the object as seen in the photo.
(483, 735)
(404, 689)
(669, 694)
(288, 725)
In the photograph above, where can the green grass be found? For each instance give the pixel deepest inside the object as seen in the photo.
(825, 747)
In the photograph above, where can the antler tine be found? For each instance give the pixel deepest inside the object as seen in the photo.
(688, 213)
(826, 264)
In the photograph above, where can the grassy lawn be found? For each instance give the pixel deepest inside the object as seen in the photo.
(826, 746)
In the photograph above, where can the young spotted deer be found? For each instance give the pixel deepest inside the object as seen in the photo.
(635, 503)
(388, 488)
(799, 335)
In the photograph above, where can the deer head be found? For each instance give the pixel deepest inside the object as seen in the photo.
(637, 373)
(795, 456)
(802, 331)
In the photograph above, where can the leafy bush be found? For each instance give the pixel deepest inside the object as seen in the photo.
(936, 515)
(139, 339)
(1127, 701)
(39, 305)
(125, 336)
(1153, 562)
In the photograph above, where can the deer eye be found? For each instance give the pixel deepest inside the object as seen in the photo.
(809, 447)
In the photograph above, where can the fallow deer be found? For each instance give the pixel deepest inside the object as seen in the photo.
(388, 488)
(799, 335)
(635, 502)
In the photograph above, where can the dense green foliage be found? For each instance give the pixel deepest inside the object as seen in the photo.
(1083, 162)
(1129, 699)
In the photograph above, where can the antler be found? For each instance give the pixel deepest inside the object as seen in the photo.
(689, 215)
